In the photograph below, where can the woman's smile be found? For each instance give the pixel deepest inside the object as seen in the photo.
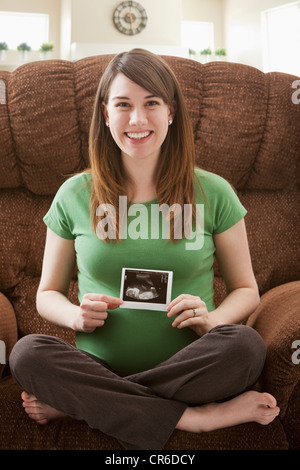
(138, 136)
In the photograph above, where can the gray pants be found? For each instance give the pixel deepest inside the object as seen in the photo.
(139, 410)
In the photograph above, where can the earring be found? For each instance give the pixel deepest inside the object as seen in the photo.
(107, 123)
(170, 122)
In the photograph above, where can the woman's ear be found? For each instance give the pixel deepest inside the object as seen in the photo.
(104, 111)
(172, 110)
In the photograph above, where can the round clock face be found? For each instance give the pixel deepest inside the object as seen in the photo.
(130, 18)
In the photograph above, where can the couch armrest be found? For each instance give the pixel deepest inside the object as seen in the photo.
(277, 319)
(8, 329)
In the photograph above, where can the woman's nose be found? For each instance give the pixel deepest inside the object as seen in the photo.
(138, 117)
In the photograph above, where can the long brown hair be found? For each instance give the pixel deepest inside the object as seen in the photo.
(175, 170)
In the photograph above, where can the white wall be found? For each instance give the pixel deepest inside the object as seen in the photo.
(65, 29)
(92, 21)
(242, 29)
(207, 11)
(93, 30)
(79, 28)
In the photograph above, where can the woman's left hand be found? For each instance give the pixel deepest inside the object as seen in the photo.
(191, 311)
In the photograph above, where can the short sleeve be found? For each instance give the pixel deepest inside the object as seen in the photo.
(229, 210)
(57, 218)
(224, 205)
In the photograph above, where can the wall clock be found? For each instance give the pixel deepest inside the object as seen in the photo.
(130, 18)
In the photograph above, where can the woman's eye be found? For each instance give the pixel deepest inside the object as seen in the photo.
(122, 105)
(152, 103)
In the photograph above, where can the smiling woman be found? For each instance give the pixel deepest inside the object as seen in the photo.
(137, 374)
(139, 97)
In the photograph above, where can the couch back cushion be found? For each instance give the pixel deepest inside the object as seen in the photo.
(246, 128)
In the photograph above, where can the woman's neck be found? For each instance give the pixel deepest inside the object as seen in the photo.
(141, 179)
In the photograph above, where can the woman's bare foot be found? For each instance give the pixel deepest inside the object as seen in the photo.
(38, 411)
(247, 407)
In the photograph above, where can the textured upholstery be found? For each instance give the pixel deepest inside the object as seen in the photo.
(246, 129)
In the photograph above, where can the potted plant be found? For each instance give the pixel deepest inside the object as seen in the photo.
(192, 53)
(23, 47)
(220, 53)
(45, 50)
(3, 49)
(206, 54)
(23, 50)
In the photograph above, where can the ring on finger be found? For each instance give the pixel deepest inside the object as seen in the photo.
(194, 312)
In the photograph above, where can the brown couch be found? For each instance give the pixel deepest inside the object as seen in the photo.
(247, 129)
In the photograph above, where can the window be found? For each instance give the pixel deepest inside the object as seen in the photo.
(16, 28)
(197, 35)
(281, 39)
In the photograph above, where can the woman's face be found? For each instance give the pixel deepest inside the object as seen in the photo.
(137, 120)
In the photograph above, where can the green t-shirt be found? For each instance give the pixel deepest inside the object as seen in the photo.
(133, 340)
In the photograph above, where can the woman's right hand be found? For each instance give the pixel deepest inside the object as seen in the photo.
(92, 311)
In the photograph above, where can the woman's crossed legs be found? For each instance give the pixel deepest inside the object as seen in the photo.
(187, 391)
